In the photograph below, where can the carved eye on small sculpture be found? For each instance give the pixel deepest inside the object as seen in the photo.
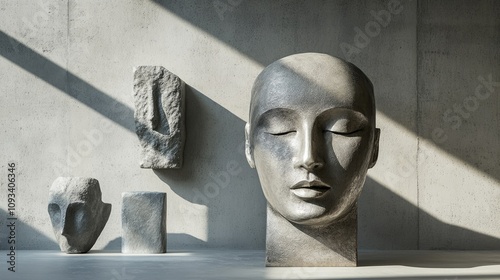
(79, 214)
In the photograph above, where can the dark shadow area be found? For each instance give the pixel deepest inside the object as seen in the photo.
(385, 220)
(180, 242)
(430, 259)
(339, 237)
(65, 81)
(377, 226)
(175, 241)
(216, 174)
(27, 237)
(115, 244)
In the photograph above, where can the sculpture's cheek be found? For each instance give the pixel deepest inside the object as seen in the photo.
(78, 220)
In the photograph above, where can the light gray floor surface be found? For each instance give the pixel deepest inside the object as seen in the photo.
(246, 264)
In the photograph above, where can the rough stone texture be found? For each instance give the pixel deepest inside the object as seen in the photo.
(144, 222)
(293, 245)
(77, 213)
(159, 116)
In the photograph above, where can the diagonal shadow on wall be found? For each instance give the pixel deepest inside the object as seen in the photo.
(65, 81)
(23, 232)
(268, 30)
(208, 138)
(227, 186)
(446, 56)
(377, 226)
(215, 148)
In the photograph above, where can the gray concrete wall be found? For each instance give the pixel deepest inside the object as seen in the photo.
(67, 110)
(458, 108)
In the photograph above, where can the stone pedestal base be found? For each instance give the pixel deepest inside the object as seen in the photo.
(144, 222)
(289, 244)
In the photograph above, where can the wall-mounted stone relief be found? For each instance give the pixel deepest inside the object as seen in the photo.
(159, 117)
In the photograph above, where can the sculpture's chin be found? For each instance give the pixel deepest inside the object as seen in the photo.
(63, 243)
(75, 251)
(314, 220)
(72, 245)
(314, 215)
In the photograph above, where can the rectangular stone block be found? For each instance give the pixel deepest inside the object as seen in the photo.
(159, 117)
(144, 222)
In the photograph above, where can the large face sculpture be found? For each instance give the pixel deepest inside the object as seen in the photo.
(77, 213)
(311, 136)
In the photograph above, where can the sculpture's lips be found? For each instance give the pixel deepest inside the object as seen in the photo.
(310, 189)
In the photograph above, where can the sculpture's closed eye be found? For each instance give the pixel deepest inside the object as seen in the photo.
(345, 126)
(344, 133)
(280, 127)
(282, 133)
(55, 213)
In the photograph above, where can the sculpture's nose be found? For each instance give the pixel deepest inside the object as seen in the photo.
(66, 226)
(65, 230)
(309, 149)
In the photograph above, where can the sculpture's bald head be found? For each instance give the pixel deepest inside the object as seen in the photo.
(313, 76)
(311, 135)
(75, 189)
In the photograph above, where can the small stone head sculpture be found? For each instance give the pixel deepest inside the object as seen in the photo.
(311, 136)
(77, 213)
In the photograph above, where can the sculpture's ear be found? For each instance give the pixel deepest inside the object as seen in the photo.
(374, 157)
(248, 150)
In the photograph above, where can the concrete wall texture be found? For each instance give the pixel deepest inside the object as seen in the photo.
(67, 110)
